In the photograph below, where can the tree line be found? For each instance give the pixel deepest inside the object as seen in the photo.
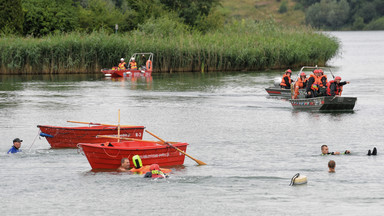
(344, 14)
(42, 17)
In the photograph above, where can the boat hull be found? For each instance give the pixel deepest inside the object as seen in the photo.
(102, 156)
(69, 137)
(329, 103)
(126, 73)
(277, 91)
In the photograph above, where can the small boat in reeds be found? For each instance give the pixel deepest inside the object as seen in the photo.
(108, 155)
(145, 70)
(69, 137)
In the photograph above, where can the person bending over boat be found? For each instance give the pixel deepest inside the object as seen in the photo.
(123, 65)
(335, 87)
(313, 85)
(286, 81)
(16, 146)
(124, 167)
(133, 64)
(322, 80)
(301, 83)
(324, 151)
(155, 172)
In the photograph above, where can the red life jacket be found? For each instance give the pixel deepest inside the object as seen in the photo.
(122, 65)
(133, 65)
(283, 80)
(338, 90)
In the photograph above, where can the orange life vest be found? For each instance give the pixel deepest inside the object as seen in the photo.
(133, 65)
(122, 65)
(338, 91)
(283, 80)
(315, 84)
(299, 85)
(319, 80)
(149, 65)
(145, 169)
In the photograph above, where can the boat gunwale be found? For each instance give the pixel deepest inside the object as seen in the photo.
(99, 127)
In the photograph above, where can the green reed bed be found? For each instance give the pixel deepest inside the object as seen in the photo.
(238, 46)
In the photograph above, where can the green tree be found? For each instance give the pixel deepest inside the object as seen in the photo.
(358, 24)
(11, 16)
(49, 16)
(328, 14)
(377, 24)
(367, 12)
(283, 7)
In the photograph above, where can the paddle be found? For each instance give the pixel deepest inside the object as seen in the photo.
(91, 123)
(197, 161)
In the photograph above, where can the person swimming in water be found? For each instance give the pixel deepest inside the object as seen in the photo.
(324, 151)
(331, 166)
(16, 146)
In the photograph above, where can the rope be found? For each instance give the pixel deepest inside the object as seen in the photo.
(111, 155)
(293, 179)
(38, 132)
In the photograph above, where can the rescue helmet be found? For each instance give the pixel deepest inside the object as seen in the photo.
(288, 71)
(132, 59)
(321, 71)
(302, 74)
(337, 78)
(154, 167)
(122, 59)
(316, 71)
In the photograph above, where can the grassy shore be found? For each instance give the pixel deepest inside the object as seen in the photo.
(238, 46)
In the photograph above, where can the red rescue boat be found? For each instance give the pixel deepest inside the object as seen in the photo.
(108, 155)
(69, 137)
(144, 65)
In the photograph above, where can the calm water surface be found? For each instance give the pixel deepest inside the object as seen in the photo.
(253, 144)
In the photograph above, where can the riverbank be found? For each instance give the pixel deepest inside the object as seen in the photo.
(240, 46)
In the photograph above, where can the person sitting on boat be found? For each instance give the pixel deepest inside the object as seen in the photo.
(155, 172)
(123, 65)
(312, 88)
(322, 80)
(286, 81)
(324, 151)
(301, 83)
(16, 146)
(140, 169)
(133, 64)
(335, 87)
(124, 167)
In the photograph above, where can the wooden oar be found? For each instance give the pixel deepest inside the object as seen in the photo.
(197, 161)
(91, 123)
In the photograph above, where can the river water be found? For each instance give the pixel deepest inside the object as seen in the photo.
(253, 144)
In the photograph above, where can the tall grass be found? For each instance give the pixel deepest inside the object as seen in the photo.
(238, 46)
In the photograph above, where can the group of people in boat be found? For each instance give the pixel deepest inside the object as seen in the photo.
(316, 85)
(133, 64)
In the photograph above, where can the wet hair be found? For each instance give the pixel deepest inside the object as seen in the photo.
(323, 146)
(332, 164)
(123, 159)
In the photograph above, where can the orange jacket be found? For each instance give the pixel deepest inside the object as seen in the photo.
(133, 65)
(283, 81)
(122, 65)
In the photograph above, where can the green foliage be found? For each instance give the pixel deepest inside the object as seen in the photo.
(376, 24)
(283, 7)
(11, 17)
(358, 24)
(367, 12)
(298, 6)
(162, 27)
(49, 16)
(239, 45)
(328, 14)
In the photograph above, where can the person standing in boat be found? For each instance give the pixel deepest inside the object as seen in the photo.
(324, 151)
(133, 64)
(313, 85)
(123, 65)
(124, 167)
(301, 83)
(286, 81)
(335, 87)
(322, 80)
(16, 146)
(155, 172)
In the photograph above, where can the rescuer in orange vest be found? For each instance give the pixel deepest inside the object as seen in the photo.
(322, 81)
(286, 81)
(313, 84)
(335, 87)
(301, 83)
(123, 65)
(133, 64)
(155, 172)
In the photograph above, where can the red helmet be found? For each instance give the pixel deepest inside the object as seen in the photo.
(337, 78)
(154, 167)
(288, 71)
(320, 71)
(316, 71)
(302, 74)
